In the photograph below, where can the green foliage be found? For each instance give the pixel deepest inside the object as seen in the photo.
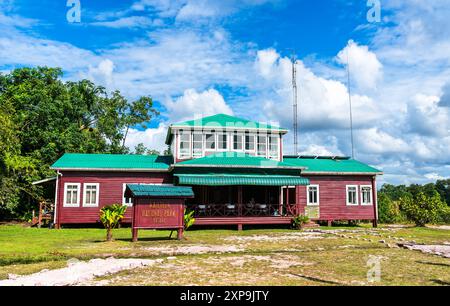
(110, 216)
(189, 219)
(141, 149)
(42, 117)
(299, 220)
(422, 208)
(389, 210)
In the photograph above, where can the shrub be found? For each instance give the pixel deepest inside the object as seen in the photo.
(299, 221)
(389, 210)
(421, 208)
(110, 216)
(189, 219)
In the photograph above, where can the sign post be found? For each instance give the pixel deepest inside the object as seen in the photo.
(158, 207)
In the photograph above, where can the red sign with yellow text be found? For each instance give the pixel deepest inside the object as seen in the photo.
(158, 214)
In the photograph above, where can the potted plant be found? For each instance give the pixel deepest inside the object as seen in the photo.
(299, 221)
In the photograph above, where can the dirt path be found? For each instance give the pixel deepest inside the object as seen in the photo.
(78, 272)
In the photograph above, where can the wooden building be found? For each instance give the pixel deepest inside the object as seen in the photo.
(238, 173)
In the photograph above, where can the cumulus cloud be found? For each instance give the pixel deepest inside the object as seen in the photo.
(427, 117)
(194, 105)
(152, 138)
(365, 68)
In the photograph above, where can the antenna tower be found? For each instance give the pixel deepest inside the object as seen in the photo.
(295, 101)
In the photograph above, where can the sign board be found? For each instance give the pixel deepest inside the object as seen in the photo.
(158, 214)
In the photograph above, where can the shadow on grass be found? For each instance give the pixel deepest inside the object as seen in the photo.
(319, 280)
(433, 263)
(440, 282)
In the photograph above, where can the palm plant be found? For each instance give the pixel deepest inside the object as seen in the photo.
(110, 216)
(189, 219)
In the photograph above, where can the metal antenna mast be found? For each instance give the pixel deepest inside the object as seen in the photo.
(295, 101)
(350, 104)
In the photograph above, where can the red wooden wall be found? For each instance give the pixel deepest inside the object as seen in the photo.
(111, 190)
(333, 198)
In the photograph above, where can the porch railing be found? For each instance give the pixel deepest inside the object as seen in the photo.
(244, 210)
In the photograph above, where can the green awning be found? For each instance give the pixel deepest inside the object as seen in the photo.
(240, 180)
(152, 191)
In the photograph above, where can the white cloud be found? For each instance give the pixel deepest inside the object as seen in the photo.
(365, 68)
(103, 73)
(427, 117)
(194, 105)
(434, 176)
(127, 22)
(152, 138)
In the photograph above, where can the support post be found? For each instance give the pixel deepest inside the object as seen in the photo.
(375, 202)
(134, 234)
(240, 200)
(180, 234)
(240, 227)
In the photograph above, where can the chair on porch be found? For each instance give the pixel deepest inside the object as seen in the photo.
(230, 209)
(202, 210)
(262, 209)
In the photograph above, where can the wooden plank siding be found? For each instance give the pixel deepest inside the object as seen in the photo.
(333, 198)
(111, 192)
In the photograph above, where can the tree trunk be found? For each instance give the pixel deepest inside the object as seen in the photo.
(108, 234)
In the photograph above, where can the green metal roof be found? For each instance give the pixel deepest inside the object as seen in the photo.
(235, 160)
(159, 191)
(71, 161)
(240, 180)
(331, 165)
(224, 121)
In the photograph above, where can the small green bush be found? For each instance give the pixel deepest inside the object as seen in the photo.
(299, 221)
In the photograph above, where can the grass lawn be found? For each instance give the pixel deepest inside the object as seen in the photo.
(251, 257)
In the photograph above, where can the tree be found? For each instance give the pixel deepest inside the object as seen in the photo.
(389, 210)
(443, 187)
(42, 117)
(110, 216)
(422, 208)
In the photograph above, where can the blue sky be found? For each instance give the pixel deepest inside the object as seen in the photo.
(200, 57)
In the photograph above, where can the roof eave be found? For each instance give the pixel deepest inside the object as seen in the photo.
(109, 169)
(341, 173)
(236, 166)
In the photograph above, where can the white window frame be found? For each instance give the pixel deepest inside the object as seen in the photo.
(124, 187)
(277, 138)
(308, 200)
(202, 150)
(226, 141)
(266, 151)
(370, 195)
(97, 194)
(65, 204)
(356, 196)
(206, 149)
(242, 141)
(252, 136)
(189, 151)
